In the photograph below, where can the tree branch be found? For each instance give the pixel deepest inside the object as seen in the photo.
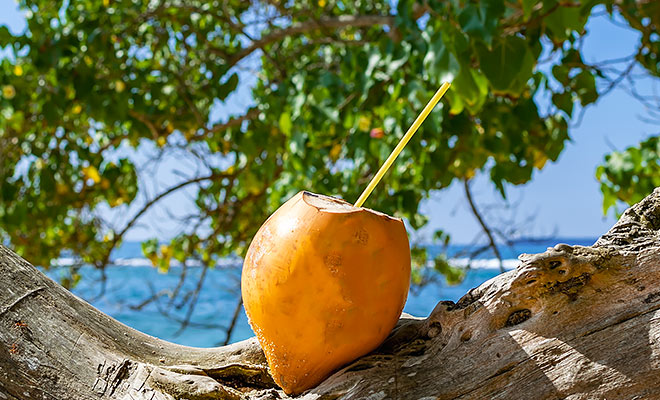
(234, 318)
(152, 128)
(571, 322)
(233, 122)
(485, 228)
(302, 27)
(193, 301)
(117, 237)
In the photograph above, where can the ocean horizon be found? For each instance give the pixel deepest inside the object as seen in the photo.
(131, 280)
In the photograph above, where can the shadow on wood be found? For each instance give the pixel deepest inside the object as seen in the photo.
(571, 323)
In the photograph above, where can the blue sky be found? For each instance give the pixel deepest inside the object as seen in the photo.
(563, 199)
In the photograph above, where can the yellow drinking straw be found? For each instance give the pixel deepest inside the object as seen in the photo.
(404, 140)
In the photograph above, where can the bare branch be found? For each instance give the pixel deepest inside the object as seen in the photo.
(118, 236)
(485, 228)
(152, 128)
(193, 301)
(234, 318)
(167, 192)
(237, 121)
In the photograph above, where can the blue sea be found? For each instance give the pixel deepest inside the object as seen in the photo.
(131, 280)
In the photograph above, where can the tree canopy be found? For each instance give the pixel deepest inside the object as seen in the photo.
(334, 85)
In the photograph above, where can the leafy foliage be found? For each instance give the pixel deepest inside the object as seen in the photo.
(336, 84)
(633, 173)
(630, 175)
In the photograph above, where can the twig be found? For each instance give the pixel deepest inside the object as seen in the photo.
(117, 238)
(234, 318)
(251, 114)
(103, 282)
(193, 301)
(485, 228)
(152, 128)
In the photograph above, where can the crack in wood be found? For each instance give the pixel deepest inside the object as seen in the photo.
(19, 299)
(518, 317)
(619, 322)
(236, 375)
(569, 287)
(120, 375)
(503, 370)
(75, 345)
(652, 298)
(145, 379)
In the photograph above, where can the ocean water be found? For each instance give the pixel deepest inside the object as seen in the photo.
(131, 280)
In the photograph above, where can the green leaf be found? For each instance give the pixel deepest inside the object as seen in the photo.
(572, 56)
(585, 84)
(46, 180)
(472, 86)
(226, 88)
(418, 220)
(453, 275)
(528, 7)
(442, 237)
(481, 19)
(440, 64)
(563, 101)
(609, 199)
(560, 72)
(563, 21)
(374, 60)
(399, 60)
(6, 38)
(150, 249)
(455, 102)
(509, 61)
(285, 123)
(631, 174)
(403, 15)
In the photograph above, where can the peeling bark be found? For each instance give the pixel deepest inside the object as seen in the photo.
(571, 323)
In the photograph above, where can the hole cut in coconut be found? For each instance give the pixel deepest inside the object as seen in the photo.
(328, 204)
(335, 205)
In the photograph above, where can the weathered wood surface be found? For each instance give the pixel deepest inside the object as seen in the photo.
(571, 323)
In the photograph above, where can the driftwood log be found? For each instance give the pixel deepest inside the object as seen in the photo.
(571, 323)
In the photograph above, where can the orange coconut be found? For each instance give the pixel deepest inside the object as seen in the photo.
(323, 283)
